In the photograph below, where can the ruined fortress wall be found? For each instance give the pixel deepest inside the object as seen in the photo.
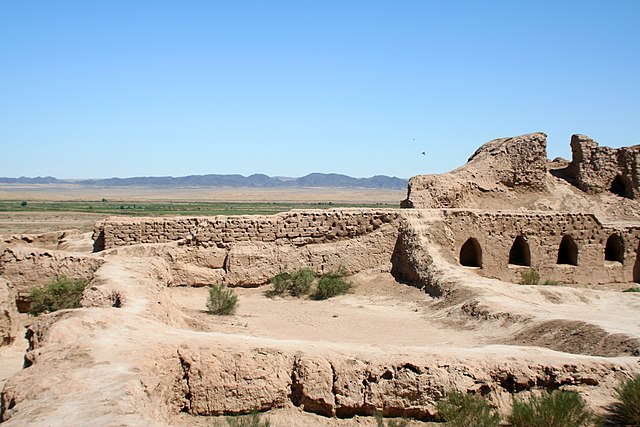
(543, 232)
(594, 169)
(494, 234)
(294, 227)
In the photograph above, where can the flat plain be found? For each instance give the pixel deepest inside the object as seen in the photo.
(44, 208)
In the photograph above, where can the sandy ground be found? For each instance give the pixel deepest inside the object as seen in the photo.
(43, 222)
(12, 358)
(379, 313)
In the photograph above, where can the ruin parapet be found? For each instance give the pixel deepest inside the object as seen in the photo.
(596, 169)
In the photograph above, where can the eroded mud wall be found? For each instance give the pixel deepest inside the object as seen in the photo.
(295, 227)
(565, 247)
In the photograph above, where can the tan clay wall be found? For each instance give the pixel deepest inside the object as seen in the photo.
(295, 227)
(494, 231)
(543, 231)
(594, 168)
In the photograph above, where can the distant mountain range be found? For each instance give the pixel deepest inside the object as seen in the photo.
(211, 180)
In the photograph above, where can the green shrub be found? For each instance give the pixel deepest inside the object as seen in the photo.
(467, 410)
(550, 283)
(301, 281)
(252, 420)
(295, 284)
(221, 300)
(331, 285)
(633, 289)
(280, 283)
(59, 294)
(627, 409)
(529, 277)
(556, 409)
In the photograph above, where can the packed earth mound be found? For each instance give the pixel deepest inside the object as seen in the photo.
(444, 298)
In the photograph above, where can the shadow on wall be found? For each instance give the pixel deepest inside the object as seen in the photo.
(622, 187)
(403, 269)
(471, 253)
(520, 254)
(614, 249)
(568, 251)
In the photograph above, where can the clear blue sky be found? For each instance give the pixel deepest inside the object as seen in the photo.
(133, 87)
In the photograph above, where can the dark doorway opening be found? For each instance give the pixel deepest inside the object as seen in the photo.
(471, 253)
(568, 251)
(621, 186)
(614, 250)
(520, 253)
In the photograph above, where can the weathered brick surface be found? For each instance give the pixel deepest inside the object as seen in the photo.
(594, 169)
(296, 227)
(543, 232)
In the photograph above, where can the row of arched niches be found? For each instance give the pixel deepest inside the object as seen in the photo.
(520, 253)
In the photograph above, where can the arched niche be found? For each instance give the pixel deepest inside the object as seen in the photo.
(520, 253)
(568, 251)
(621, 185)
(471, 253)
(614, 249)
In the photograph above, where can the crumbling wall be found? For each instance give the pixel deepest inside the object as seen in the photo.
(248, 250)
(595, 169)
(497, 166)
(8, 314)
(294, 227)
(26, 268)
(542, 234)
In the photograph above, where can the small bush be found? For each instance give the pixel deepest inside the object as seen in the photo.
(280, 283)
(557, 409)
(467, 410)
(550, 283)
(252, 420)
(633, 289)
(221, 300)
(530, 277)
(331, 285)
(295, 284)
(301, 281)
(627, 409)
(61, 293)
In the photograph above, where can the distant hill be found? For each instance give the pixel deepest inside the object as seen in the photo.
(257, 180)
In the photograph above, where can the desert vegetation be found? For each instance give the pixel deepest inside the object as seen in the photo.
(300, 283)
(295, 284)
(626, 411)
(61, 293)
(138, 208)
(467, 410)
(556, 409)
(529, 278)
(532, 278)
(221, 300)
(252, 420)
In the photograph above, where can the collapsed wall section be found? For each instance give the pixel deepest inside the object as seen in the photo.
(596, 169)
